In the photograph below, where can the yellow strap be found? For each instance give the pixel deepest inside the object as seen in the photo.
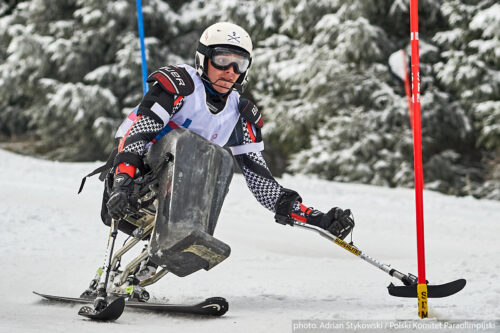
(422, 300)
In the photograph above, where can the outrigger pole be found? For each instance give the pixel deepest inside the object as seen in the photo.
(409, 280)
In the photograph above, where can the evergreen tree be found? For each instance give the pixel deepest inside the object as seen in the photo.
(71, 71)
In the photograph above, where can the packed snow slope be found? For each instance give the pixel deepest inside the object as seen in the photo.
(52, 241)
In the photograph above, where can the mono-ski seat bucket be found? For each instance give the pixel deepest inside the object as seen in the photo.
(193, 176)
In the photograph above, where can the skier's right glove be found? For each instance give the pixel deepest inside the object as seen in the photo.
(121, 198)
(337, 221)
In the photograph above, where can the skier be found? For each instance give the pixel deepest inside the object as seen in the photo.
(205, 100)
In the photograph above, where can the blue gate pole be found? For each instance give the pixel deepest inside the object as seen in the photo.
(143, 49)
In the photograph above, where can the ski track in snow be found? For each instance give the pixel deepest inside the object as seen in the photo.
(52, 241)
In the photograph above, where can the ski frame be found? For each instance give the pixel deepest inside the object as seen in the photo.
(145, 226)
(136, 261)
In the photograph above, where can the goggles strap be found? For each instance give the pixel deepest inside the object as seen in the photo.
(205, 50)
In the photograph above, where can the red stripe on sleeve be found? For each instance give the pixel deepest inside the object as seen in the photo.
(122, 167)
(177, 100)
(249, 127)
(122, 142)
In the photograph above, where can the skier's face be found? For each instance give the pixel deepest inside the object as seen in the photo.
(223, 79)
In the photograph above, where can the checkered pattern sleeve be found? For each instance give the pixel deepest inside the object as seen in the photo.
(257, 175)
(154, 112)
(259, 179)
(142, 132)
(262, 184)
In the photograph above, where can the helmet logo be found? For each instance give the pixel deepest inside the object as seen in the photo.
(234, 38)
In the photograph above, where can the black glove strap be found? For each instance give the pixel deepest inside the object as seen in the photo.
(284, 206)
(123, 182)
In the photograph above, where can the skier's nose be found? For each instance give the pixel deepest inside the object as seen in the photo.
(230, 69)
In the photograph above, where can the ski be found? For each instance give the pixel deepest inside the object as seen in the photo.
(213, 306)
(433, 291)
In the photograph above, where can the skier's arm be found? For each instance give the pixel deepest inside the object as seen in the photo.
(246, 145)
(165, 97)
(259, 179)
(144, 129)
(286, 204)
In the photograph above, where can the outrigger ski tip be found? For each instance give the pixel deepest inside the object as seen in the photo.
(433, 291)
(111, 312)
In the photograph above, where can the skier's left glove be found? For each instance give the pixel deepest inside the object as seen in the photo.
(121, 198)
(337, 221)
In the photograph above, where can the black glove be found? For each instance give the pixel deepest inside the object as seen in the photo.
(121, 198)
(337, 221)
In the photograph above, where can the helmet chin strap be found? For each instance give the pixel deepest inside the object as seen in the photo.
(236, 86)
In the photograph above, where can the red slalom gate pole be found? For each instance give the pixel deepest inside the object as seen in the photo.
(417, 151)
(407, 88)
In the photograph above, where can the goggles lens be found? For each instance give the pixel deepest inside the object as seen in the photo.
(225, 58)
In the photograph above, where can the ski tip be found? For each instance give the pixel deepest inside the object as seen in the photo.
(460, 282)
(447, 289)
(39, 294)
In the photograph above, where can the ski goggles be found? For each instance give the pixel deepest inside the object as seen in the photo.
(223, 58)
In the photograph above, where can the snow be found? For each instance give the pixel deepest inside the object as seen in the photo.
(396, 63)
(448, 37)
(52, 241)
(487, 21)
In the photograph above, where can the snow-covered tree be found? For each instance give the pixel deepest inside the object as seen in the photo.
(71, 69)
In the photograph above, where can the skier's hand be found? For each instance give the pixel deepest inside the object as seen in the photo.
(121, 198)
(337, 221)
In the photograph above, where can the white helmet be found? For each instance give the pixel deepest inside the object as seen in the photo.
(229, 36)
